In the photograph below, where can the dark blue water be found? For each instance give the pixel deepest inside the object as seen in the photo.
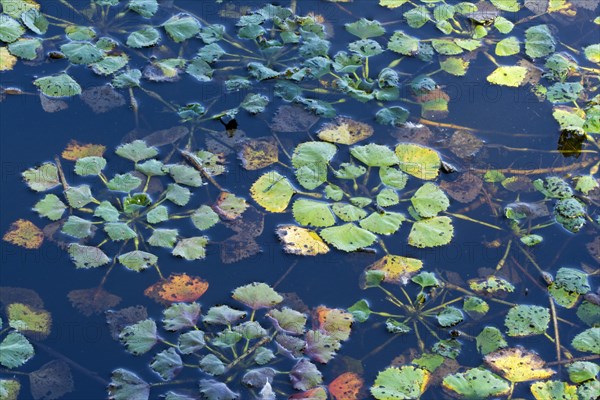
(499, 116)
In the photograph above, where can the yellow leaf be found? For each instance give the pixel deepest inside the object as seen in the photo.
(419, 161)
(273, 191)
(518, 365)
(29, 320)
(7, 60)
(25, 234)
(335, 322)
(75, 150)
(397, 269)
(301, 241)
(345, 131)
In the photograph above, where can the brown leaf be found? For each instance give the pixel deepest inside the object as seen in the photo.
(75, 150)
(593, 248)
(25, 234)
(51, 105)
(117, 320)
(9, 295)
(238, 247)
(102, 99)
(292, 119)
(177, 288)
(166, 136)
(258, 153)
(413, 133)
(464, 144)
(346, 386)
(251, 223)
(92, 301)
(52, 381)
(465, 189)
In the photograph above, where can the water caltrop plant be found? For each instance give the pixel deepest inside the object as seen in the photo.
(249, 345)
(353, 203)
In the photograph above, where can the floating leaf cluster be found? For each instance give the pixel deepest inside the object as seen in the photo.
(250, 345)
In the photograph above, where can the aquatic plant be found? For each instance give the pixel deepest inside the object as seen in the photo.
(369, 184)
(27, 324)
(228, 348)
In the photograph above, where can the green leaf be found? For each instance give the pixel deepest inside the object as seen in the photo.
(226, 338)
(193, 248)
(214, 390)
(507, 5)
(223, 315)
(592, 53)
(107, 212)
(124, 183)
(119, 231)
(15, 8)
(503, 25)
(42, 178)
(136, 151)
(35, 21)
(393, 177)
(429, 200)
(79, 196)
(254, 103)
(564, 92)
(449, 316)
(364, 28)
(572, 280)
(87, 256)
(157, 214)
(250, 330)
(200, 69)
(539, 41)
(26, 49)
(554, 390)
(589, 313)
(288, 320)
(146, 8)
(310, 160)
(395, 116)
(446, 47)
(167, 364)
(431, 232)
(89, 165)
(348, 212)
(151, 168)
(81, 33)
(145, 37)
(419, 161)
(588, 341)
(125, 385)
(128, 79)
(29, 320)
(10, 29)
(163, 238)
(531, 240)
(305, 375)
(417, 17)
(77, 227)
(15, 350)
(392, 3)
(82, 52)
(260, 72)
(349, 171)
(489, 340)
(508, 46)
(211, 53)
(383, 223)
(185, 175)
(50, 207)
(455, 66)
(526, 320)
(406, 382)
(257, 295)
(475, 307)
(182, 27)
(581, 371)
(140, 337)
(314, 213)
(272, 191)
(374, 155)
(212, 365)
(348, 237)
(137, 260)
(204, 218)
(191, 342)
(586, 184)
(9, 389)
(365, 47)
(178, 194)
(476, 384)
(512, 76)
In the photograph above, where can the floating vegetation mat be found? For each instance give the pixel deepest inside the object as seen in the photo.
(324, 136)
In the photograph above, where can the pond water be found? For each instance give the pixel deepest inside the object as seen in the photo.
(468, 226)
